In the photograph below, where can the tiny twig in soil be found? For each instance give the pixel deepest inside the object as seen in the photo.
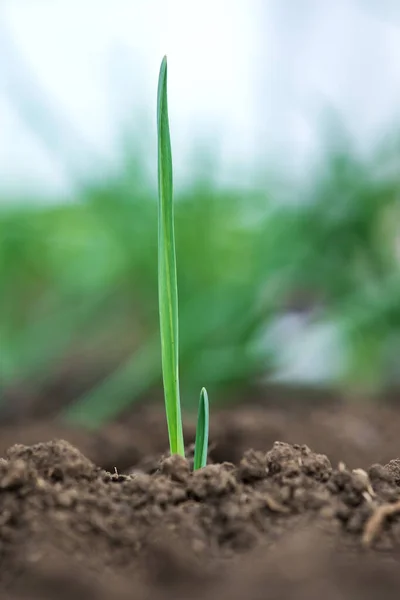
(376, 521)
(274, 505)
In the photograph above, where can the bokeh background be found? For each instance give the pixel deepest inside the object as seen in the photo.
(285, 135)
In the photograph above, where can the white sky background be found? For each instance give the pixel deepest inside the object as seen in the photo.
(250, 77)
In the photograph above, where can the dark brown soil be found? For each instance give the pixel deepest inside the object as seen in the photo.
(104, 516)
(280, 524)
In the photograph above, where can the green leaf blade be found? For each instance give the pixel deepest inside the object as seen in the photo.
(167, 276)
(202, 430)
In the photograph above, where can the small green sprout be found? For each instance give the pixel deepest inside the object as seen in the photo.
(201, 445)
(168, 292)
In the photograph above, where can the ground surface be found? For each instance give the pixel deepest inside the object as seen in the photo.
(103, 516)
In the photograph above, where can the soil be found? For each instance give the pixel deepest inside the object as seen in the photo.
(109, 515)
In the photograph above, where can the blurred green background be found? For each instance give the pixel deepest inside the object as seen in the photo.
(79, 279)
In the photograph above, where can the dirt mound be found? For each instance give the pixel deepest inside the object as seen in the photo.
(355, 434)
(282, 524)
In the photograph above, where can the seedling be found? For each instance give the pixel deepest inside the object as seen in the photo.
(168, 292)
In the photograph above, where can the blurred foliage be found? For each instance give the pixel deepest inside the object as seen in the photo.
(354, 248)
(82, 277)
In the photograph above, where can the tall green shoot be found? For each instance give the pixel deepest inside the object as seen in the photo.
(167, 278)
(168, 292)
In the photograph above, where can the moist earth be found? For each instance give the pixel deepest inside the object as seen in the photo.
(285, 523)
(110, 515)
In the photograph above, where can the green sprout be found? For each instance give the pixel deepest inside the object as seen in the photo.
(168, 292)
(201, 444)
